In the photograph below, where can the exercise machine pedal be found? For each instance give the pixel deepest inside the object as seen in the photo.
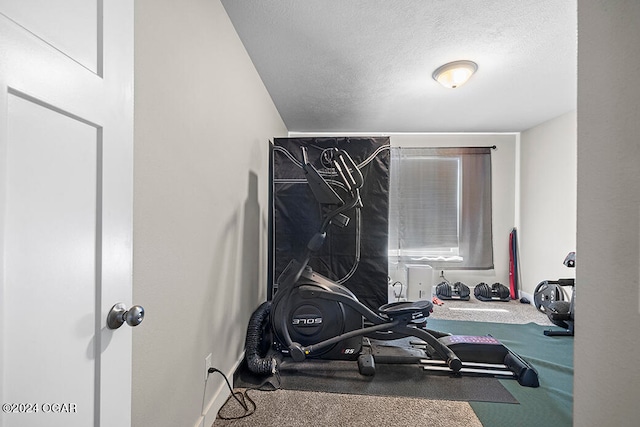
(485, 355)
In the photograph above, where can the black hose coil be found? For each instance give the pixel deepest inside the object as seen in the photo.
(255, 331)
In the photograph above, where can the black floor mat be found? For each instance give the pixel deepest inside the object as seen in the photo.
(389, 380)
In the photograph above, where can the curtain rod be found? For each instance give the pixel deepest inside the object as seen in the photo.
(494, 147)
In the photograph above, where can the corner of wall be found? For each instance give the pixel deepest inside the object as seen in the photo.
(518, 160)
(546, 199)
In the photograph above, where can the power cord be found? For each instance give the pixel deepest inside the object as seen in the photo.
(397, 295)
(249, 408)
(244, 397)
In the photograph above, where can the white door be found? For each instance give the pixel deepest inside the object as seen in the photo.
(66, 154)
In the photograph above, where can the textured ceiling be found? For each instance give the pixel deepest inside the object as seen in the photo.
(366, 65)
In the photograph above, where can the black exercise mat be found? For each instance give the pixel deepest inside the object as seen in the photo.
(389, 380)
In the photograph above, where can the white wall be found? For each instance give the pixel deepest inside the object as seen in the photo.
(607, 342)
(202, 123)
(547, 224)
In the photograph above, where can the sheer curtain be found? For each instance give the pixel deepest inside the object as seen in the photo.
(440, 207)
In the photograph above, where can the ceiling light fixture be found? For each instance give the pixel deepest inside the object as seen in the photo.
(455, 74)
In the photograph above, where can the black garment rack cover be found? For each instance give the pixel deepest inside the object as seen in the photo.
(296, 215)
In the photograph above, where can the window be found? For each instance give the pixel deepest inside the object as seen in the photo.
(440, 207)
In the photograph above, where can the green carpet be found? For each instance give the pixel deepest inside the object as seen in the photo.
(551, 404)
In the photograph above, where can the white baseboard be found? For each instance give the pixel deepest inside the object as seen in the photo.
(219, 398)
(527, 296)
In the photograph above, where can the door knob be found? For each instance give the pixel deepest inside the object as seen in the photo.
(119, 314)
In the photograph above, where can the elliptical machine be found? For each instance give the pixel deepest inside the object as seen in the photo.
(311, 316)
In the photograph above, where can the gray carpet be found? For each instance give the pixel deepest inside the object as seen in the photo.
(478, 311)
(289, 408)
